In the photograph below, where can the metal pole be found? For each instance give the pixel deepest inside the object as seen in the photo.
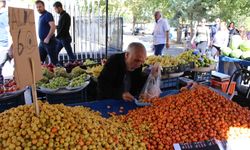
(106, 36)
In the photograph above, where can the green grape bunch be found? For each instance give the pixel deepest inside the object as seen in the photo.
(56, 82)
(77, 71)
(60, 72)
(78, 81)
(89, 62)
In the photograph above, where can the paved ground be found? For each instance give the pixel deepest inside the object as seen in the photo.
(146, 40)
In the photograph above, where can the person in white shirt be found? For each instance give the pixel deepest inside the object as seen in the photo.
(160, 34)
(220, 39)
(5, 38)
(201, 37)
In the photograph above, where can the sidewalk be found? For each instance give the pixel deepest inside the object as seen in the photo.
(147, 41)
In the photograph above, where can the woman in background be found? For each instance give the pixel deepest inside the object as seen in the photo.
(243, 33)
(221, 39)
(201, 37)
(232, 31)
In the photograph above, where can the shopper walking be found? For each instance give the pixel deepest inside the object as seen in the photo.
(201, 37)
(63, 37)
(46, 30)
(215, 28)
(220, 39)
(160, 33)
(5, 38)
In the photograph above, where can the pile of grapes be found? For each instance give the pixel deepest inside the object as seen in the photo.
(59, 78)
(78, 81)
(56, 82)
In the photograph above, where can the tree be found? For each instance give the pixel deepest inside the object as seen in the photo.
(231, 10)
(142, 11)
(192, 10)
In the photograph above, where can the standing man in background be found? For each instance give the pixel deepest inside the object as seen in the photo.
(63, 37)
(5, 38)
(215, 28)
(160, 34)
(46, 30)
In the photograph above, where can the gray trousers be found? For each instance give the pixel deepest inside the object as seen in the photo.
(3, 60)
(202, 46)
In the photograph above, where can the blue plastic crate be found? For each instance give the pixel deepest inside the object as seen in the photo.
(169, 83)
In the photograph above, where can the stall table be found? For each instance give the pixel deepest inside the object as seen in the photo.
(105, 107)
(239, 63)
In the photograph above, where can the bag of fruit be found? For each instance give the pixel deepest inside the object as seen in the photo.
(151, 88)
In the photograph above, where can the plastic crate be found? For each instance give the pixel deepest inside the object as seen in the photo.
(207, 83)
(186, 67)
(168, 83)
(12, 100)
(41, 96)
(201, 76)
(67, 98)
(223, 86)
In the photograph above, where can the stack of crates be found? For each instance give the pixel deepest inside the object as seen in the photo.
(202, 77)
(169, 83)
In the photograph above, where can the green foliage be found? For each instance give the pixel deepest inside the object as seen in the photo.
(142, 11)
(232, 10)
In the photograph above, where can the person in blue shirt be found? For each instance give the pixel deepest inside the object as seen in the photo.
(46, 30)
(5, 38)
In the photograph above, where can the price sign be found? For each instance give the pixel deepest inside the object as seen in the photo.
(25, 50)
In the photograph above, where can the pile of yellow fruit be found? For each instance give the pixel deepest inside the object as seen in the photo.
(165, 61)
(62, 127)
(95, 71)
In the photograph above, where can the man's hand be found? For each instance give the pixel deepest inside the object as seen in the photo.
(155, 69)
(127, 96)
(167, 45)
(143, 96)
(46, 40)
(10, 52)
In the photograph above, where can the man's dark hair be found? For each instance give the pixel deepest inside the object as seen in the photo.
(39, 2)
(57, 4)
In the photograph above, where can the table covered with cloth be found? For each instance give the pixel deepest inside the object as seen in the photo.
(228, 65)
(105, 107)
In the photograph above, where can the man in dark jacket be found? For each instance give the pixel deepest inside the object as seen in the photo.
(63, 37)
(122, 76)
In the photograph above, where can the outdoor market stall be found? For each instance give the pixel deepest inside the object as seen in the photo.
(190, 114)
(228, 65)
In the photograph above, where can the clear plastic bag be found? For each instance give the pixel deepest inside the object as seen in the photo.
(151, 88)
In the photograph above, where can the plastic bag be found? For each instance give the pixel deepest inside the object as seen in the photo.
(151, 88)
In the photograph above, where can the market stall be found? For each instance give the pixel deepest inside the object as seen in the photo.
(198, 114)
(235, 56)
(193, 113)
(228, 65)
